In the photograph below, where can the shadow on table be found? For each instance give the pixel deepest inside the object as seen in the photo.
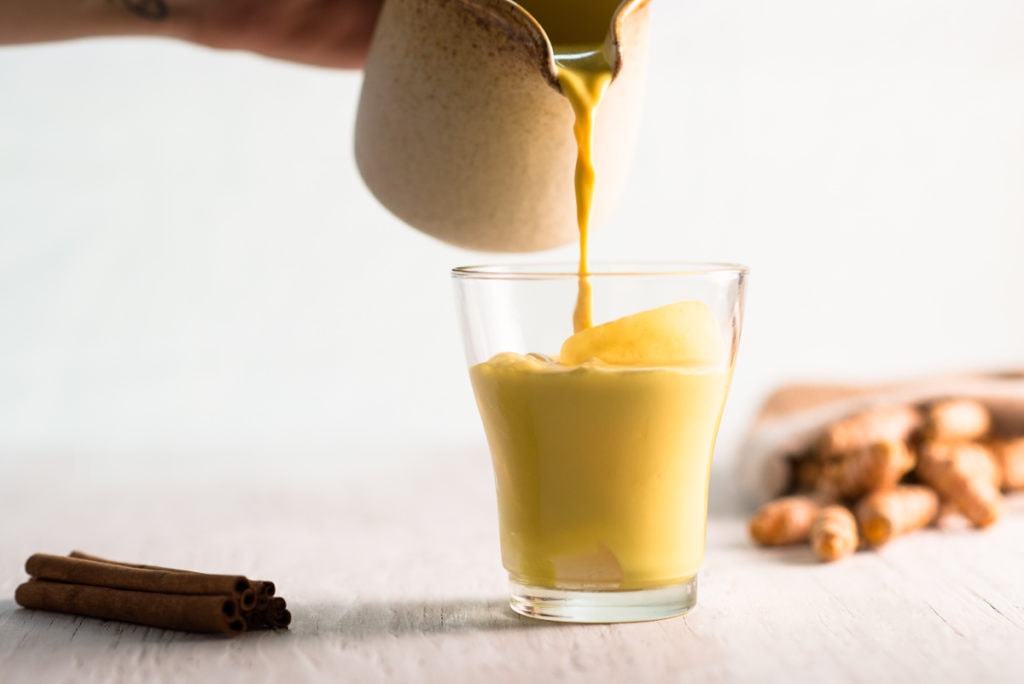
(378, 618)
(365, 620)
(796, 554)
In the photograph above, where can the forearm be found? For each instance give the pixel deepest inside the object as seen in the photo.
(35, 21)
(330, 33)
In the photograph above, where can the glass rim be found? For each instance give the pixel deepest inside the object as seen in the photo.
(608, 269)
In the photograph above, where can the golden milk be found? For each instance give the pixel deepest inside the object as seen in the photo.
(601, 472)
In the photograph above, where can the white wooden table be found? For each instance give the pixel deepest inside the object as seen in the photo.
(392, 575)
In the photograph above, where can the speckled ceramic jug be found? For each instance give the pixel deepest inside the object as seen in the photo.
(463, 131)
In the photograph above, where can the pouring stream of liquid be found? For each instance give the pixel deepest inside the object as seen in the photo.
(584, 74)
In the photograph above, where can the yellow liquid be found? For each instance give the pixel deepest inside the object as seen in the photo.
(584, 76)
(577, 30)
(601, 471)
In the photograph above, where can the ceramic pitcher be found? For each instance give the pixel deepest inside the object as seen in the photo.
(463, 131)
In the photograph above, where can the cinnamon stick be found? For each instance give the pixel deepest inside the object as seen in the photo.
(246, 597)
(264, 591)
(279, 617)
(99, 574)
(88, 556)
(273, 615)
(210, 614)
(99, 559)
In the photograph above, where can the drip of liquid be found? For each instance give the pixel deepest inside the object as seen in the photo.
(584, 74)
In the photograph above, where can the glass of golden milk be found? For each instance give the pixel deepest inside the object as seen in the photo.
(601, 395)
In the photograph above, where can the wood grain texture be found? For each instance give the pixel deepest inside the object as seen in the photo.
(394, 577)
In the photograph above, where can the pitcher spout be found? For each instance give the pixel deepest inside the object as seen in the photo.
(604, 25)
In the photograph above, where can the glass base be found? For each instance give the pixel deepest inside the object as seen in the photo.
(563, 605)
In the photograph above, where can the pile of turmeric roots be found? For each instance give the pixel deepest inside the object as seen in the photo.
(891, 470)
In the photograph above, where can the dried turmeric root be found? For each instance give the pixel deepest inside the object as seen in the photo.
(958, 420)
(784, 521)
(882, 424)
(972, 459)
(1009, 456)
(876, 466)
(851, 484)
(806, 471)
(966, 475)
(834, 533)
(895, 512)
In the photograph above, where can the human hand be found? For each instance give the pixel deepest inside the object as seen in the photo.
(328, 33)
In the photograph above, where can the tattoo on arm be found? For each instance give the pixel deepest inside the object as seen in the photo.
(154, 10)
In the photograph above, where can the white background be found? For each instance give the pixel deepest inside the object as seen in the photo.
(192, 274)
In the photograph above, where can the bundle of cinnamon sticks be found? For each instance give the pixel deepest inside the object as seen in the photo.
(82, 584)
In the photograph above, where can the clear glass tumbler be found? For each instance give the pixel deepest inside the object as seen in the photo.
(602, 441)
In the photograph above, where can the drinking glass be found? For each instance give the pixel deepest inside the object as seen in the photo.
(602, 448)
